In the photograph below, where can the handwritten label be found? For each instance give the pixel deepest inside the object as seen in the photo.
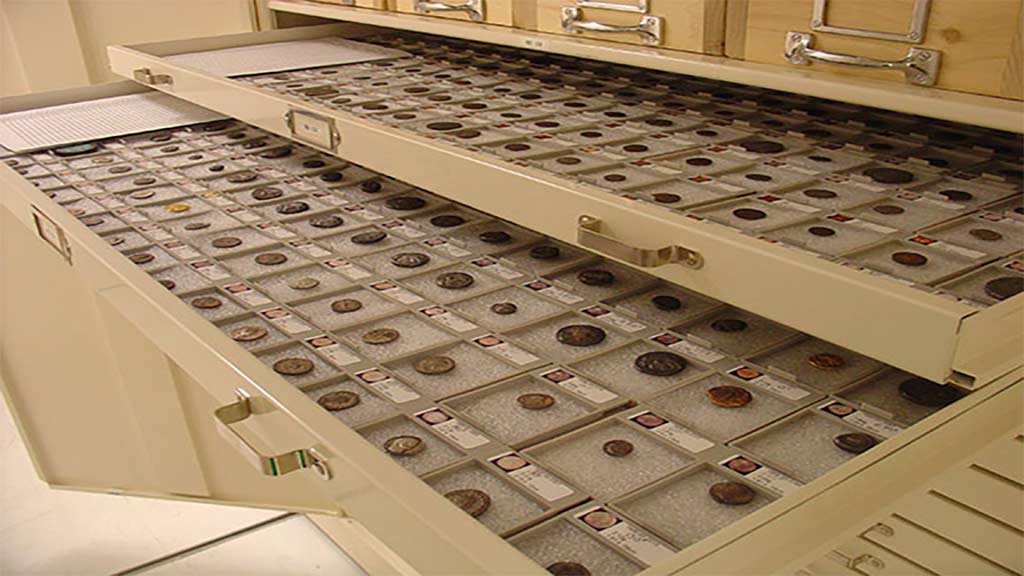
(687, 347)
(672, 432)
(452, 428)
(209, 269)
(553, 292)
(347, 269)
(387, 386)
(864, 420)
(247, 294)
(614, 319)
(506, 350)
(329, 348)
(761, 475)
(445, 318)
(767, 382)
(531, 477)
(396, 292)
(579, 386)
(286, 321)
(637, 542)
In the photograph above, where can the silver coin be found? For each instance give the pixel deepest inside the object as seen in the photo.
(454, 280)
(410, 259)
(404, 445)
(304, 283)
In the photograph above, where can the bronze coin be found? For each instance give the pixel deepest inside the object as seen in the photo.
(600, 519)
(142, 194)
(731, 493)
(596, 277)
(568, 160)
(454, 280)
(826, 361)
(986, 235)
(207, 302)
(742, 465)
(434, 365)
(568, 569)
(115, 240)
(885, 175)
(580, 335)
(326, 221)
(545, 252)
(275, 153)
(471, 501)
(346, 305)
(193, 226)
(517, 147)
(617, 448)
(444, 126)
(888, 209)
(728, 325)
(763, 147)
(304, 283)
(142, 258)
(854, 442)
(729, 396)
(699, 161)
(666, 303)
(338, 400)
(909, 258)
(93, 221)
(447, 220)
(380, 336)
(927, 393)
(369, 237)
(168, 283)
(822, 231)
(820, 193)
(536, 401)
(119, 169)
(495, 237)
(404, 445)
(504, 308)
(226, 242)
(615, 177)
(293, 366)
(313, 163)
(296, 207)
(242, 177)
(332, 176)
(371, 187)
(957, 195)
(1004, 287)
(749, 214)
(666, 197)
(410, 259)
(660, 363)
(270, 258)
(248, 333)
(405, 203)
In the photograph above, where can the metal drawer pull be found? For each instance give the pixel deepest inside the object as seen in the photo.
(649, 28)
(269, 465)
(146, 76)
(474, 8)
(920, 66)
(590, 236)
(638, 6)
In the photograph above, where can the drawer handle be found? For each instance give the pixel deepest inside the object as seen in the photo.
(590, 236)
(920, 66)
(269, 465)
(640, 6)
(649, 28)
(146, 76)
(474, 8)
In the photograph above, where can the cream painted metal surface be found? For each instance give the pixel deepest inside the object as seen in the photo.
(923, 334)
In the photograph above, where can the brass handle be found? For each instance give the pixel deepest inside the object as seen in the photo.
(473, 8)
(278, 465)
(919, 66)
(589, 235)
(649, 27)
(146, 76)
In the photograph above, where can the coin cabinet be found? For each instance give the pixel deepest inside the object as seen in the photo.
(280, 313)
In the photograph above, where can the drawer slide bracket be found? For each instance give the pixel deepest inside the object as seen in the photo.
(589, 235)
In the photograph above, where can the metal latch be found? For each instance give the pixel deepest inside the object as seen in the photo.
(313, 129)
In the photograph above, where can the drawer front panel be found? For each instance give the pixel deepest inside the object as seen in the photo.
(488, 11)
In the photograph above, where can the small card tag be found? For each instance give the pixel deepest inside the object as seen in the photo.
(579, 386)
(680, 436)
(362, 212)
(242, 214)
(862, 419)
(554, 292)
(329, 348)
(403, 228)
(614, 319)
(396, 292)
(637, 542)
(286, 321)
(768, 382)
(276, 230)
(181, 250)
(131, 215)
(155, 232)
(347, 269)
(308, 248)
(387, 386)
(494, 267)
(247, 294)
(447, 319)
(217, 199)
(761, 475)
(443, 245)
(687, 347)
(209, 269)
(531, 477)
(505, 349)
(452, 428)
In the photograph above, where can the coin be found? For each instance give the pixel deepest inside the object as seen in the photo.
(295, 207)
(600, 519)
(957, 195)
(119, 169)
(369, 237)
(749, 214)
(410, 259)
(495, 237)
(371, 187)
(434, 365)
(404, 445)
(927, 393)
(379, 336)
(568, 569)
(909, 258)
(822, 231)
(618, 448)
(889, 175)
(762, 147)
(545, 252)
(93, 221)
(504, 308)
(888, 209)
(207, 302)
(729, 396)
(167, 283)
(75, 149)
(248, 333)
(115, 240)
(226, 242)
(328, 221)
(826, 361)
(444, 126)
(1004, 287)
(580, 335)
(313, 163)
(338, 400)
(405, 203)
(293, 366)
(471, 501)
(820, 193)
(193, 226)
(447, 220)
(596, 277)
(142, 194)
(660, 363)
(728, 325)
(142, 258)
(699, 161)
(332, 176)
(346, 305)
(536, 401)
(731, 493)
(177, 208)
(241, 177)
(271, 258)
(304, 283)
(275, 153)
(854, 442)
(742, 465)
(986, 235)
(454, 280)
(666, 303)
(666, 197)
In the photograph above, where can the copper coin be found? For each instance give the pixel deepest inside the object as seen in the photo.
(338, 400)
(596, 277)
(328, 221)
(763, 147)
(617, 448)
(371, 187)
(1004, 287)
(660, 363)
(142, 258)
(729, 396)
(313, 163)
(885, 175)
(93, 221)
(226, 242)
(293, 366)
(119, 169)
(749, 214)
(142, 194)
(731, 493)
(986, 235)
(346, 305)
(650, 420)
(193, 226)
(405, 203)
(504, 308)
(332, 176)
(568, 160)
(454, 280)
(957, 195)
(536, 401)
(410, 259)
(909, 258)
(666, 303)
(404, 445)
(854, 442)
(699, 161)
(248, 333)
(471, 501)
(510, 463)
(600, 519)
(270, 258)
(434, 365)
(927, 393)
(369, 237)
(888, 209)
(820, 193)
(826, 361)
(580, 335)
(568, 569)
(444, 126)
(822, 231)
(666, 197)
(115, 240)
(379, 336)
(742, 465)
(296, 207)
(167, 283)
(304, 283)
(728, 325)
(207, 302)
(545, 252)
(275, 153)
(447, 220)
(495, 237)
(242, 177)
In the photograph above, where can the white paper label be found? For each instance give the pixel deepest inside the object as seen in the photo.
(614, 319)
(542, 287)
(131, 215)
(495, 268)
(862, 419)
(217, 199)
(447, 319)
(452, 428)
(531, 477)
(687, 347)
(579, 386)
(672, 432)
(396, 292)
(387, 386)
(181, 250)
(109, 201)
(332, 351)
(190, 186)
(638, 543)
(363, 212)
(945, 247)
(442, 245)
(506, 350)
(761, 475)
(286, 321)
(403, 228)
(209, 270)
(247, 294)
(276, 230)
(242, 214)
(309, 248)
(155, 232)
(768, 382)
(347, 269)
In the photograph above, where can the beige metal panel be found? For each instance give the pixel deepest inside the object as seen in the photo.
(930, 550)
(494, 11)
(985, 111)
(986, 493)
(863, 557)
(1005, 458)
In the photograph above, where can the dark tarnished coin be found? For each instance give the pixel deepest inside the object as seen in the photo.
(545, 252)
(731, 493)
(346, 305)
(826, 361)
(618, 448)
(207, 302)
(115, 240)
(405, 203)
(369, 237)
(986, 235)
(909, 258)
(371, 187)
(270, 258)
(888, 209)
(144, 181)
(748, 214)
(568, 569)
(338, 400)
(293, 366)
(404, 445)
(327, 221)
(927, 393)
(596, 277)
(957, 195)
(434, 365)
(447, 220)
(495, 237)
(820, 193)
(660, 363)
(242, 177)
(471, 501)
(666, 303)
(248, 333)
(304, 283)
(93, 221)
(282, 152)
(226, 242)
(504, 308)
(75, 149)
(142, 258)
(762, 147)
(313, 163)
(580, 335)
(1005, 287)
(454, 280)
(444, 126)
(193, 226)
(854, 442)
(536, 401)
(822, 231)
(410, 259)
(296, 207)
(728, 325)
(666, 197)
(885, 175)
(729, 396)
(379, 336)
(119, 169)
(332, 176)
(168, 283)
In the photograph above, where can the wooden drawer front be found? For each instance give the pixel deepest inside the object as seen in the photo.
(492, 11)
(979, 41)
(691, 25)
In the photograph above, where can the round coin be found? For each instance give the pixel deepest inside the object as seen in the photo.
(226, 242)
(568, 569)
(728, 325)
(1004, 287)
(410, 259)
(822, 231)
(346, 305)
(596, 277)
(115, 240)
(434, 365)
(454, 280)
(304, 283)
(535, 401)
(142, 258)
(927, 393)
(293, 366)
(763, 147)
(193, 226)
(267, 193)
(729, 396)
(580, 335)
(889, 175)
(328, 221)
(854, 442)
(600, 519)
(659, 363)
(207, 302)
(471, 501)
(142, 194)
(332, 176)
(248, 333)
(888, 209)
(617, 448)
(447, 220)
(405, 203)
(666, 303)
(826, 361)
(957, 195)
(338, 400)
(986, 235)
(296, 207)
(742, 465)
(242, 177)
(749, 214)
(93, 221)
(731, 493)
(371, 187)
(177, 208)
(404, 445)
(504, 308)
(912, 259)
(379, 336)
(545, 252)
(168, 283)
(495, 237)
(820, 193)
(369, 237)
(270, 259)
